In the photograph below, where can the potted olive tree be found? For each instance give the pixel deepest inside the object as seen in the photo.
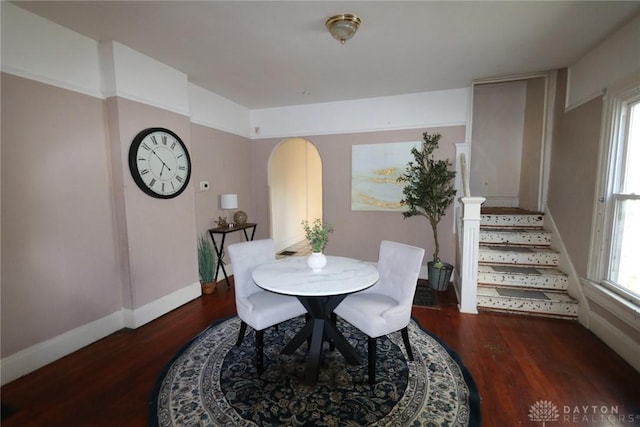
(206, 265)
(428, 192)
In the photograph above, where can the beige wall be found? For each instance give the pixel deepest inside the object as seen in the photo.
(224, 160)
(498, 119)
(572, 181)
(358, 233)
(59, 264)
(160, 234)
(80, 240)
(532, 144)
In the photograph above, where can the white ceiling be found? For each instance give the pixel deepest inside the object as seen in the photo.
(263, 54)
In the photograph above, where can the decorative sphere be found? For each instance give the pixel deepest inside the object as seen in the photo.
(240, 218)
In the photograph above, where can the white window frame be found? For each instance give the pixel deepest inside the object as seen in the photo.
(612, 134)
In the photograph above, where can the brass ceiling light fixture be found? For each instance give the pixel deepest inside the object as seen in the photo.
(342, 27)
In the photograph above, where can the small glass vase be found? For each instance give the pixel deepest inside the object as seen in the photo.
(316, 261)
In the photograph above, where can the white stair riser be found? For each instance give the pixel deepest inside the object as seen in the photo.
(510, 247)
(524, 281)
(535, 238)
(512, 220)
(565, 309)
(487, 255)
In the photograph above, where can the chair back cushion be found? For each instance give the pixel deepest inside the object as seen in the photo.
(386, 306)
(399, 267)
(245, 257)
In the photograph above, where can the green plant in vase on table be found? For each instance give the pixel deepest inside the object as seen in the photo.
(429, 191)
(317, 234)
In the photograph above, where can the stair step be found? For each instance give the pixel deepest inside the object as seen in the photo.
(522, 276)
(533, 302)
(517, 255)
(517, 268)
(525, 236)
(527, 220)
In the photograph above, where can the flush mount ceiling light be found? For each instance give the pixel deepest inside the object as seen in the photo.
(342, 27)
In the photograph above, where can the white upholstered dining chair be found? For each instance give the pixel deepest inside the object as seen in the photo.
(256, 307)
(385, 307)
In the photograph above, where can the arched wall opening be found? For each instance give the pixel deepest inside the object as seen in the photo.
(295, 190)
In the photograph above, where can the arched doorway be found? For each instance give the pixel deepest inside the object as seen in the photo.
(295, 190)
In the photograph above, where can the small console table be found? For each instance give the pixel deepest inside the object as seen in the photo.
(220, 250)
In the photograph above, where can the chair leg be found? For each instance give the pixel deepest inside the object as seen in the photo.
(260, 351)
(243, 329)
(372, 360)
(405, 338)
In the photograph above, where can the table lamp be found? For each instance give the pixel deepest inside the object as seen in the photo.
(227, 202)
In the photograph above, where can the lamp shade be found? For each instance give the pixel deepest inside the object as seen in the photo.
(229, 201)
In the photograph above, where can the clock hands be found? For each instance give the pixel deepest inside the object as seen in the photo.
(164, 165)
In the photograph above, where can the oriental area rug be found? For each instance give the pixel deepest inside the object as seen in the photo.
(211, 382)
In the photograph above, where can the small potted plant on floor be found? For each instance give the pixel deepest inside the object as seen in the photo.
(429, 191)
(206, 265)
(317, 234)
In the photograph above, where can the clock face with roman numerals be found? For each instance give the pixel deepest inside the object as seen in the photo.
(159, 163)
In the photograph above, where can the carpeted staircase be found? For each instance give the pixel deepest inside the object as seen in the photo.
(518, 269)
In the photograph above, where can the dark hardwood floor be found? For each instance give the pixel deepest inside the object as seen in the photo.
(516, 361)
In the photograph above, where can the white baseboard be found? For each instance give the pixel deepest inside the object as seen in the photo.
(424, 272)
(621, 343)
(624, 316)
(41, 354)
(566, 265)
(135, 318)
(35, 357)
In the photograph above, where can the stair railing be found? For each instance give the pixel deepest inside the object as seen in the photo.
(468, 224)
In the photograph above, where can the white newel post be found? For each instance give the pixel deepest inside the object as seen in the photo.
(463, 150)
(469, 264)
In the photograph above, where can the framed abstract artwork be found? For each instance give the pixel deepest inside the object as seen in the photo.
(375, 169)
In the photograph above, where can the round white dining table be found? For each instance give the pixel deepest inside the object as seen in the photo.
(320, 293)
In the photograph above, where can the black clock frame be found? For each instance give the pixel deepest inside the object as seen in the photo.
(133, 167)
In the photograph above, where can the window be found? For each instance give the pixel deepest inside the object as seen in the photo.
(618, 262)
(624, 257)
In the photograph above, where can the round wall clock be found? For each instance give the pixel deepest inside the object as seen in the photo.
(159, 163)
